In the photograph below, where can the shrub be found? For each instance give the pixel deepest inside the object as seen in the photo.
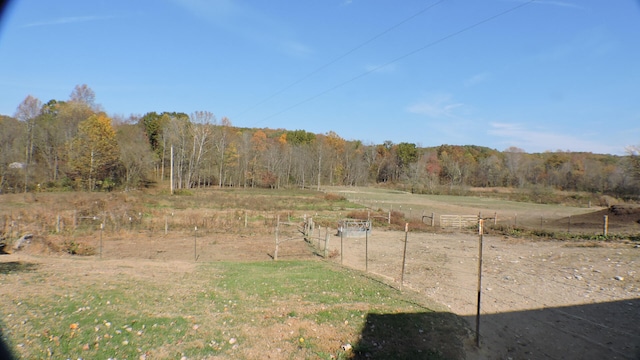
(334, 197)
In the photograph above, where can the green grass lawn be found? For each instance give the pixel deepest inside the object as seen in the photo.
(284, 309)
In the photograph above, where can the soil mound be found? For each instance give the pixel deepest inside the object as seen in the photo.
(621, 218)
(625, 209)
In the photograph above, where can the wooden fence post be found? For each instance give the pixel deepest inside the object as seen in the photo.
(341, 242)
(480, 231)
(404, 253)
(275, 254)
(326, 243)
(366, 251)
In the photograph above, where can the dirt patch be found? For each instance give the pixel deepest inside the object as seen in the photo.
(621, 219)
(539, 299)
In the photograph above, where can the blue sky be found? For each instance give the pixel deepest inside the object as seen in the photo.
(541, 75)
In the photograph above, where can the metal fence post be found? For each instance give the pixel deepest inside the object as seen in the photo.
(404, 253)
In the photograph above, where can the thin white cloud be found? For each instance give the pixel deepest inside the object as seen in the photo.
(436, 106)
(219, 11)
(514, 134)
(248, 22)
(67, 20)
(296, 49)
(477, 79)
(559, 3)
(565, 4)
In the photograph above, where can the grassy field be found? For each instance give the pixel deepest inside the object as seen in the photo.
(148, 299)
(82, 308)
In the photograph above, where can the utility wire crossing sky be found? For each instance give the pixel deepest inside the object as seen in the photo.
(541, 75)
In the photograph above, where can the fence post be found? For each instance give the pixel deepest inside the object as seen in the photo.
(195, 244)
(404, 253)
(433, 220)
(326, 243)
(341, 241)
(101, 229)
(605, 226)
(275, 254)
(366, 251)
(480, 231)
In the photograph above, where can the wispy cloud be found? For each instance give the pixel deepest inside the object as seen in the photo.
(296, 49)
(436, 106)
(241, 19)
(218, 11)
(67, 20)
(477, 79)
(540, 140)
(559, 3)
(565, 4)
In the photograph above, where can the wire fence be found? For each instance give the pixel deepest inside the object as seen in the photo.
(535, 299)
(545, 220)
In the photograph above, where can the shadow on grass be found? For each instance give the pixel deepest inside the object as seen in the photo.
(6, 353)
(425, 335)
(16, 266)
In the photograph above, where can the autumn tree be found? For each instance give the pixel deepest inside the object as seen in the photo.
(355, 165)
(634, 161)
(406, 154)
(136, 155)
(95, 152)
(334, 149)
(12, 135)
(57, 127)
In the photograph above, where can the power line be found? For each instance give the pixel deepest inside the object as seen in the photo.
(411, 53)
(375, 37)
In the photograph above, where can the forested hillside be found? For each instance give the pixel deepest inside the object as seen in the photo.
(74, 145)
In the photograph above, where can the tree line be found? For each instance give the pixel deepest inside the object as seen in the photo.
(75, 145)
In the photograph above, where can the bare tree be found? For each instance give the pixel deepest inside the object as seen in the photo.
(513, 158)
(28, 111)
(634, 162)
(83, 94)
(221, 143)
(136, 156)
(201, 132)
